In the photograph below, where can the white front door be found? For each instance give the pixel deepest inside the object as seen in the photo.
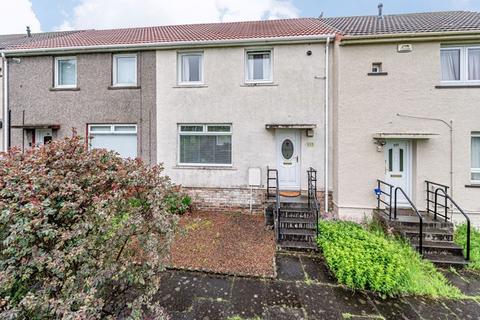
(42, 136)
(288, 159)
(398, 167)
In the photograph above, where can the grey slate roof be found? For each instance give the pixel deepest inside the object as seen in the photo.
(8, 40)
(406, 23)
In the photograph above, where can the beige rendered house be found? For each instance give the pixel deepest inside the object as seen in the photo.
(406, 94)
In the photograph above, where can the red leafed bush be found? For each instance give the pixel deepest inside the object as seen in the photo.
(83, 234)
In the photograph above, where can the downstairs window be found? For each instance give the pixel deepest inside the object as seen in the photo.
(205, 144)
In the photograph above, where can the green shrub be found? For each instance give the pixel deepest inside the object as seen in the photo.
(178, 203)
(461, 239)
(83, 234)
(370, 260)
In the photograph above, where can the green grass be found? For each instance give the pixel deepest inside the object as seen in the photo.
(460, 238)
(366, 258)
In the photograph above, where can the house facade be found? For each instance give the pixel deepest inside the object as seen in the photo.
(359, 99)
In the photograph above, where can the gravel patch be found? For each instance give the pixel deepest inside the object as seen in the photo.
(229, 243)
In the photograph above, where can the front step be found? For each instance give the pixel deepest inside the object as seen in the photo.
(297, 245)
(437, 237)
(439, 248)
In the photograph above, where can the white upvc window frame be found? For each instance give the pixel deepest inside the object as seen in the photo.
(204, 132)
(180, 56)
(111, 129)
(258, 51)
(115, 69)
(463, 65)
(474, 170)
(56, 70)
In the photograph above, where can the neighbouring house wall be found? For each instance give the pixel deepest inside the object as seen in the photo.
(369, 104)
(30, 82)
(296, 97)
(1, 104)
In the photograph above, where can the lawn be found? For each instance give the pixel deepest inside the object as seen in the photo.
(366, 258)
(461, 239)
(231, 243)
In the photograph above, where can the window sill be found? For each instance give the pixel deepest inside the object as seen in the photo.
(377, 74)
(259, 84)
(473, 185)
(64, 89)
(457, 86)
(123, 87)
(226, 167)
(190, 86)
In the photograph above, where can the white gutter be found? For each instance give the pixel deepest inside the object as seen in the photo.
(5, 102)
(327, 69)
(173, 44)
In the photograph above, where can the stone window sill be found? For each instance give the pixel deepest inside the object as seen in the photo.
(259, 84)
(190, 86)
(456, 86)
(64, 89)
(124, 87)
(377, 74)
(472, 186)
(205, 167)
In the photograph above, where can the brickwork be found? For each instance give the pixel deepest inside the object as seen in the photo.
(227, 199)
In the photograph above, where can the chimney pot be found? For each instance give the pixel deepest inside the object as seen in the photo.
(29, 33)
(380, 9)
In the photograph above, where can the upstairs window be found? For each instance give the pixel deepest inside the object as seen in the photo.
(65, 72)
(125, 70)
(205, 145)
(475, 161)
(190, 68)
(460, 64)
(258, 66)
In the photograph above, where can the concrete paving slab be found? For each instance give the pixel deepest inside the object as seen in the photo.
(467, 281)
(289, 268)
(283, 313)
(430, 309)
(248, 296)
(464, 309)
(316, 269)
(394, 308)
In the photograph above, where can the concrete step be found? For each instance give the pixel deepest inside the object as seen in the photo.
(296, 220)
(297, 245)
(428, 222)
(298, 232)
(429, 234)
(439, 248)
(447, 260)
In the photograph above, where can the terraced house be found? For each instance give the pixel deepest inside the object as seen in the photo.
(255, 115)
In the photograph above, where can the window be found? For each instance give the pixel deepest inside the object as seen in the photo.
(190, 68)
(376, 67)
(121, 138)
(258, 66)
(475, 165)
(460, 64)
(202, 144)
(125, 70)
(65, 72)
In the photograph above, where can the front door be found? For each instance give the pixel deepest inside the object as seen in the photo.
(288, 159)
(397, 167)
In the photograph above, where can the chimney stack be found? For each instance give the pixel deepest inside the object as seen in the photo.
(380, 9)
(29, 33)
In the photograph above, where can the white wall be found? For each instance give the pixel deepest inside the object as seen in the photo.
(368, 104)
(295, 98)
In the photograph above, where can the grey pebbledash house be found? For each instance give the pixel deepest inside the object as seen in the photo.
(358, 106)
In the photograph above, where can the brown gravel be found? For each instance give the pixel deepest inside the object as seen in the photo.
(232, 243)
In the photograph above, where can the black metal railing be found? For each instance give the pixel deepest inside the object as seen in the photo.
(448, 198)
(272, 175)
(420, 235)
(384, 192)
(313, 204)
(431, 190)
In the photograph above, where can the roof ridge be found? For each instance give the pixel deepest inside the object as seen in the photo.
(402, 14)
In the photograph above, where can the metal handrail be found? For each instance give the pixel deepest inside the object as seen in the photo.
(379, 192)
(461, 211)
(277, 198)
(420, 242)
(430, 201)
(312, 195)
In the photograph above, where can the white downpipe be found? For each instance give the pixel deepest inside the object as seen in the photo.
(327, 69)
(5, 102)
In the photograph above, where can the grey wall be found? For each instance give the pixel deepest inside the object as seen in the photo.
(30, 86)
